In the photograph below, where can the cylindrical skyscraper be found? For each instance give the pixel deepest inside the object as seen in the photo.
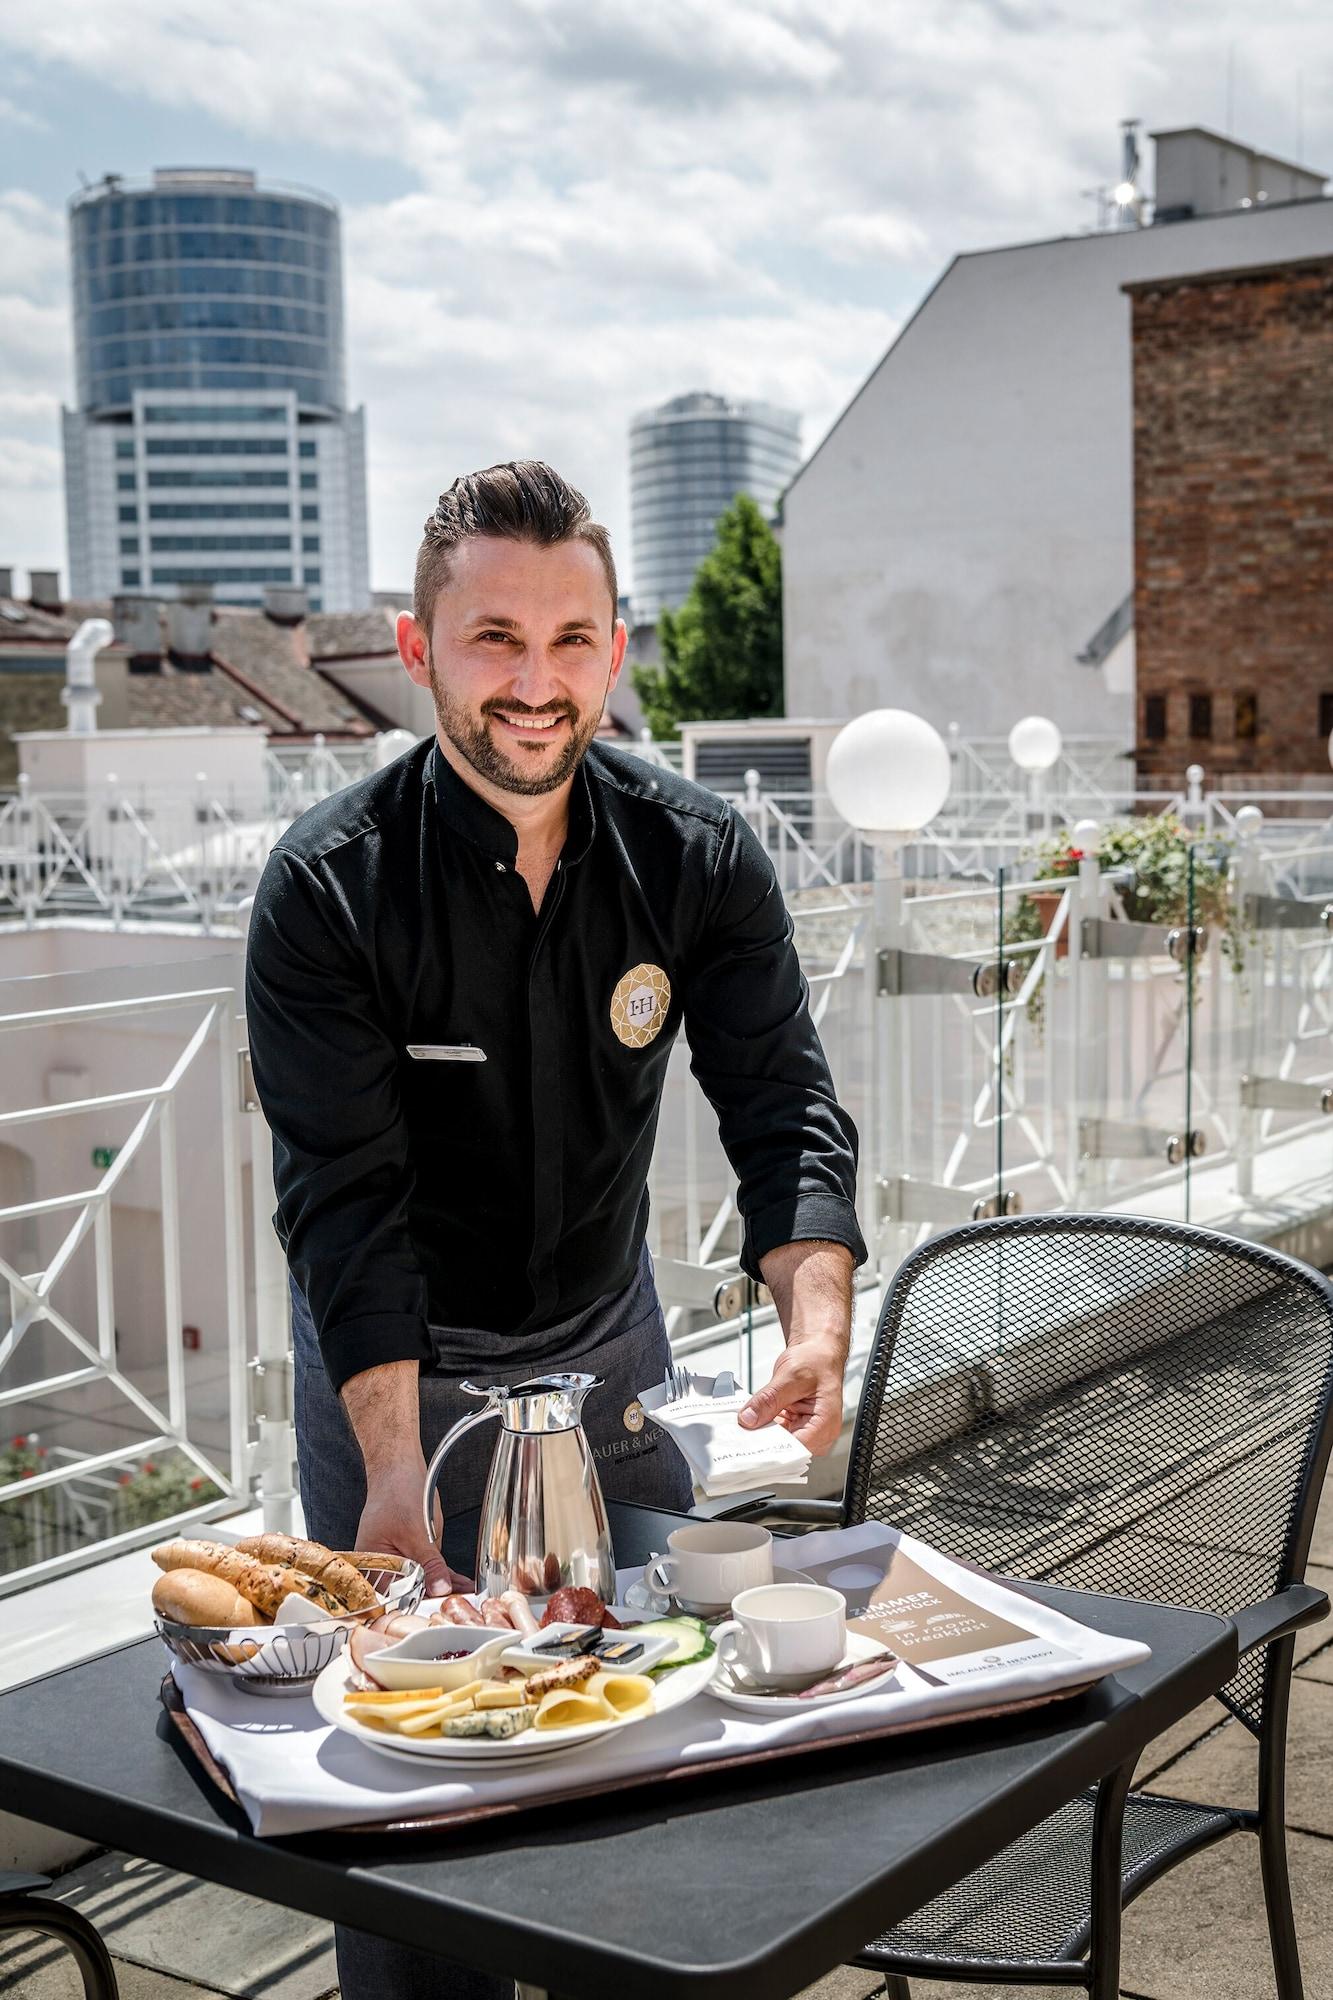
(689, 458)
(212, 442)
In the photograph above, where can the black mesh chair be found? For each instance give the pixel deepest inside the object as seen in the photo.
(24, 1908)
(1120, 1405)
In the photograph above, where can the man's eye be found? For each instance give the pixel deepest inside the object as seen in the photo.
(503, 637)
(575, 639)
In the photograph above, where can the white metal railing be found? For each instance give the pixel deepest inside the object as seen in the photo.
(63, 1376)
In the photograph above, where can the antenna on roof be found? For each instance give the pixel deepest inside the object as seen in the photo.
(1127, 194)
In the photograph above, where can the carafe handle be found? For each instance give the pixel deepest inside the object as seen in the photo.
(446, 1445)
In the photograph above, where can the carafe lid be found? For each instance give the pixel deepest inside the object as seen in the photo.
(542, 1404)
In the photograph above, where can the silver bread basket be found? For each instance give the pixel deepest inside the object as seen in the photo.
(285, 1659)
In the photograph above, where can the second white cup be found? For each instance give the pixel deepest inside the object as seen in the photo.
(706, 1564)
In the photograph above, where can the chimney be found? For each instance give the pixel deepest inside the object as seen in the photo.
(285, 603)
(189, 628)
(138, 627)
(44, 589)
(6, 583)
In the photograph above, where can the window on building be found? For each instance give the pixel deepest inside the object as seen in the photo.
(312, 574)
(127, 513)
(124, 447)
(1201, 716)
(307, 447)
(129, 545)
(124, 482)
(309, 482)
(1247, 718)
(1326, 713)
(129, 579)
(1154, 718)
(316, 602)
(310, 545)
(310, 510)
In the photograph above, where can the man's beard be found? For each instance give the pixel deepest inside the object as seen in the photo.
(474, 742)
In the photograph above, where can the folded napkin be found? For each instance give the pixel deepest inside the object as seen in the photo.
(722, 1457)
(294, 1774)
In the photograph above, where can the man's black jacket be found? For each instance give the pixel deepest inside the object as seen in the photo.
(508, 1194)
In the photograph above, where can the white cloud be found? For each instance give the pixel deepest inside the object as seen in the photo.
(612, 202)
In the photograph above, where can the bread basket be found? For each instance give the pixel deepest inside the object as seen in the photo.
(285, 1659)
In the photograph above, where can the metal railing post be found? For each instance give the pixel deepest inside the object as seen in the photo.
(275, 1452)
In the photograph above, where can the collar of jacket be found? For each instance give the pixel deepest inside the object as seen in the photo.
(465, 812)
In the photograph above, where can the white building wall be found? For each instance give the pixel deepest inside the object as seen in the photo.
(90, 504)
(967, 525)
(339, 460)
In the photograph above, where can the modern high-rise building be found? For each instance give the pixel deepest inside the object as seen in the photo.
(212, 443)
(689, 458)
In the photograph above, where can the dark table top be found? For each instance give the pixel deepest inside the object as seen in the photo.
(743, 1885)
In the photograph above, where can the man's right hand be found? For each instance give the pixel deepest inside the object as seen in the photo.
(382, 1406)
(391, 1520)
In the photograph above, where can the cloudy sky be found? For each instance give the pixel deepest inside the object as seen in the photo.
(559, 211)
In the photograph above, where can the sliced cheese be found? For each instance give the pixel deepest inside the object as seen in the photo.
(569, 1708)
(502, 1697)
(623, 1694)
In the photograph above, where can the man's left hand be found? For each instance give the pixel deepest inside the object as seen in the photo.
(804, 1394)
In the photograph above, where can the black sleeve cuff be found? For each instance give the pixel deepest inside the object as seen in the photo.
(352, 1345)
(804, 1218)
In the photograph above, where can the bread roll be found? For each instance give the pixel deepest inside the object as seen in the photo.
(339, 1578)
(243, 1573)
(195, 1597)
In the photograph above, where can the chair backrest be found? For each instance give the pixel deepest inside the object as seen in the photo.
(1107, 1402)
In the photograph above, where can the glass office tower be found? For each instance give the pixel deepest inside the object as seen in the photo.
(212, 442)
(689, 458)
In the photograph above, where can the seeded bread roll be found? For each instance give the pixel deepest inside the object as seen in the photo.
(364, 1559)
(253, 1579)
(195, 1597)
(331, 1571)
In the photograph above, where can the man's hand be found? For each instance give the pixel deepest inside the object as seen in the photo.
(383, 1408)
(811, 1285)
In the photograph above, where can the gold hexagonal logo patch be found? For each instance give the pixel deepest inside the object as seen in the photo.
(639, 1005)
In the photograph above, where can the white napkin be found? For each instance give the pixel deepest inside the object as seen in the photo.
(722, 1457)
(294, 1774)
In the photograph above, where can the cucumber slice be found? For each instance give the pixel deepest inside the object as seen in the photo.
(689, 1640)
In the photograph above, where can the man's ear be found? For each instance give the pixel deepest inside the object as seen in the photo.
(413, 649)
(619, 641)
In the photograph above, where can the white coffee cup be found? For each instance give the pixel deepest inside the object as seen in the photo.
(783, 1633)
(708, 1562)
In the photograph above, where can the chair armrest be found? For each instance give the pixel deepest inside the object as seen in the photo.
(1299, 1604)
(750, 1506)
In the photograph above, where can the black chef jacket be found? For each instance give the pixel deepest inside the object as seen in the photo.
(511, 1193)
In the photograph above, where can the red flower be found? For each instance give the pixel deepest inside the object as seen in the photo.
(148, 1465)
(29, 1472)
(195, 1484)
(41, 1451)
(18, 1443)
(1077, 854)
(125, 1479)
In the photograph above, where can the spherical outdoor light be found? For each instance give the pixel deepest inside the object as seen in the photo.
(888, 773)
(1035, 743)
(1087, 836)
(1248, 821)
(391, 743)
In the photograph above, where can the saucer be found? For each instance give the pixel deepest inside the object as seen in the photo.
(859, 1648)
(659, 1605)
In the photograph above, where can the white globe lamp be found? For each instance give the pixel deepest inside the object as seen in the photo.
(888, 774)
(1035, 743)
(391, 743)
(1087, 836)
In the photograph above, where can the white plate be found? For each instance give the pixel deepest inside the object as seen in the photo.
(672, 1691)
(859, 1648)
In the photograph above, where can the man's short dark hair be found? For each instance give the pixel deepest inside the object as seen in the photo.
(522, 501)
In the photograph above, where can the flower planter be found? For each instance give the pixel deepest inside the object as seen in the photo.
(1046, 902)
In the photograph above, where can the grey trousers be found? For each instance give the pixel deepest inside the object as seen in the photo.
(622, 1339)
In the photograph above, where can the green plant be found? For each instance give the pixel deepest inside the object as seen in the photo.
(1155, 858)
(155, 1490)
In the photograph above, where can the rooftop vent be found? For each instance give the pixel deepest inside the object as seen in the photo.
(137, 622)
(44, 588)
(285, 603)
(189, 627)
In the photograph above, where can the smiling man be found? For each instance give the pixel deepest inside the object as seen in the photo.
(466, 974)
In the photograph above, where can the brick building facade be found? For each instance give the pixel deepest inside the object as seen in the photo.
(1233, 521)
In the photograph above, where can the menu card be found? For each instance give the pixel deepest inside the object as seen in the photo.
(947, 1621)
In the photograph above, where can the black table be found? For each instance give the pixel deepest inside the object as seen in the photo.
(744, 1885)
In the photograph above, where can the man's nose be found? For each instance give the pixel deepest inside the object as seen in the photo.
(535, 682)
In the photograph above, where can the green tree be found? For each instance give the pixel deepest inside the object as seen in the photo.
(722, 651)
